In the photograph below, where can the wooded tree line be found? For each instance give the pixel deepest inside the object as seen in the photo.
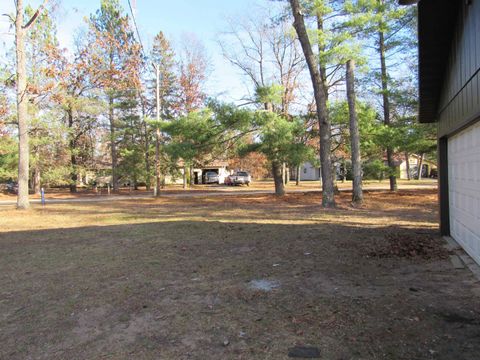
(330, 81)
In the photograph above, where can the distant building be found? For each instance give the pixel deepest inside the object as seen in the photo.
(198, 173)
(219, 167)
(429, 168)
(308, 172)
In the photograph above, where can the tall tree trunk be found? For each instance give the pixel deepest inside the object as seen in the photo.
(297, 180)
(328, 193)
(148, 180)
(278, 178)
(158, 182)
(74, 171)
(407, 164)
(420, 165)
(357, 191)
(36, 179)
(284, 173)
(22, 111)
(184, 177)
(113, 145)
(135, 182)
(321, 49)
(157, 133)
(73, 156)
(191, 175)
(386, 109)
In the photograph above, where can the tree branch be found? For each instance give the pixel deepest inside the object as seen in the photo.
(10, 17)
(35, 16)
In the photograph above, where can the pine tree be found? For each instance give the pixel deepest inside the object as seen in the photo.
(164, 57)
(81, 106)
(357, 192)
(115, 64)
(328, 193)
(164, 87)
(391, 29)
(40, 39)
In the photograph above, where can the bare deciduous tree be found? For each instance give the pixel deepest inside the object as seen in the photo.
(22, 102)
(267, 54)
(271, 58)
(194, 67)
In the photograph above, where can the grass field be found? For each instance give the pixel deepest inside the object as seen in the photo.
(173, 278)
(263, 185)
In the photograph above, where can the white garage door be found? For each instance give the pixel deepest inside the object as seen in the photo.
(464, 189)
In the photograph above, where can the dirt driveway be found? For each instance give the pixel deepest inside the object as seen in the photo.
(247, 277)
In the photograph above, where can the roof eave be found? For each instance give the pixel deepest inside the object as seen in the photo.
(436, 27)
(408, 2)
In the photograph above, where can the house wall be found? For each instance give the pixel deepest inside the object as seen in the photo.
(309, 172)
(414, 162)
(460, 99)
(222, 174)
(177, 180)
(403, 167)
(459, 133)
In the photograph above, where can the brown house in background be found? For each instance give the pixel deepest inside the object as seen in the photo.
(449, 50)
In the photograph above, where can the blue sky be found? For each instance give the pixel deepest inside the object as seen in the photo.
(204, 18)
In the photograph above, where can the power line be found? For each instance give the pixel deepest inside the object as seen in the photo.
(136, 28)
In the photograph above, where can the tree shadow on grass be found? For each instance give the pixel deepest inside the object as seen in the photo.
(179, 289)
(404, 209)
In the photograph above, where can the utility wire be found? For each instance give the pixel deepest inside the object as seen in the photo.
(136, 28)
(140, 42)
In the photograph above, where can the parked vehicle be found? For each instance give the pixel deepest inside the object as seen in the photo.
(239, 178)
(12, 187)
(211, 177)
(229, 180)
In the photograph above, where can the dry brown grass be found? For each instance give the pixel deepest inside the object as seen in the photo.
(168, 279)
(265, 185)
(293, 208)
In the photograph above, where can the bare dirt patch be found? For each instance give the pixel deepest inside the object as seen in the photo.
(169, 279)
